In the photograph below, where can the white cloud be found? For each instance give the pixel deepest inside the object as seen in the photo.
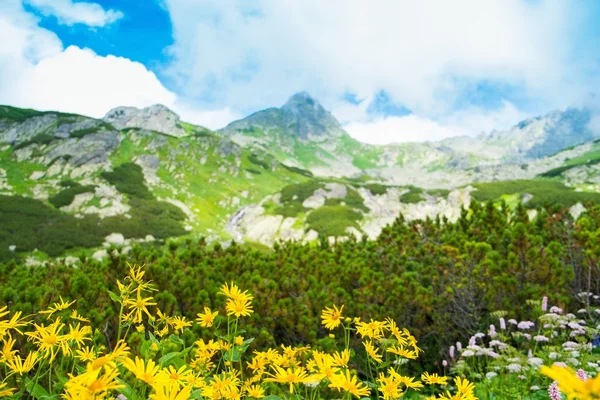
(212, 119)
(36, 72)
(413, 128)
(422, 53)
(69, 13)
(77, 80)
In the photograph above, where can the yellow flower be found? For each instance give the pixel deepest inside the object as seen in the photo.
(139, 305)
(4, 391)
(341, 359)
(74, 315)
(332, 317)
(178, 323)
(57, 307)
(256, 392)
(234, 293)
(238, 341)
(571, 385)
(78, 334)
(144, 372)
(207, 319)
(86, 354)
(373, 329)
(241, 307)
(48, 339)
(350, 384)
(372, 351)
(14, 323)
(389, 387)
(172, 393)
(289, 376)
(434, 379)
(402, 352)
(174, 377)
(7, 353)
(92, 385)
(17, 366)
(136, 273)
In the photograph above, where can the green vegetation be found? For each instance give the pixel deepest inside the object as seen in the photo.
(18, 114)
(376, 188)
(352, 200)
(128, 178)
(66, 196)
(34, 225)
(291, 209)
(440, 280)
(333, 220)
(299, 192)
(93, 129)
(439, 192)
(544, 192)
(412, 196)
(590, 158)
(40, 138)
(253, 158)
(30, 224)
(299, 171)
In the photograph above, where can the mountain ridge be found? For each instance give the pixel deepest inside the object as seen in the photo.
(137, 184)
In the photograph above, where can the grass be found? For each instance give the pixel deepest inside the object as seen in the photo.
(333, 220)
(363, 156)
(67, 195)
(544, 191)
(254, 159)
(40, 138)
(589, 158)
(300, 191)
(129, 179)
(93, 129)
(352, 200)
(414, 195)
(292, 209)
(376, 188)
(298, 171)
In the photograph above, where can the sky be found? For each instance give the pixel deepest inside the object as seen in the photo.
(389, 70)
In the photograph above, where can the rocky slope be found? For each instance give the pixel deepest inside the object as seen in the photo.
(288, 173)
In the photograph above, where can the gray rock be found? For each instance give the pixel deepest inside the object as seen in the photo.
(157, 118)
(115, 238)
(90, 149)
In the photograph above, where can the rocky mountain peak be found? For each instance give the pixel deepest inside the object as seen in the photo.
(301, 116)
(156, 117)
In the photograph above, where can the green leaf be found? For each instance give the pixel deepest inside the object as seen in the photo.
(272, 397)
(114, 297)
(196, 394)
(37, 391)
(169, 357)
(233, 356)
(176, 339)
(128, 391)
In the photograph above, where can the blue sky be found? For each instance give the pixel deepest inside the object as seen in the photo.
(389, 70)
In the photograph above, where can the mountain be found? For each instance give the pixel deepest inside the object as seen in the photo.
(70, 183)
(301, 116)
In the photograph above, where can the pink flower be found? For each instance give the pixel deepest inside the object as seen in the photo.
(445, 363)
(452, 352)
(502, 324)
(554, 392)
(492, 332)
(544, 303)
(458, 346)
(581, 375)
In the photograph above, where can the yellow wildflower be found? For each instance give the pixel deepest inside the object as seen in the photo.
(332, 317)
